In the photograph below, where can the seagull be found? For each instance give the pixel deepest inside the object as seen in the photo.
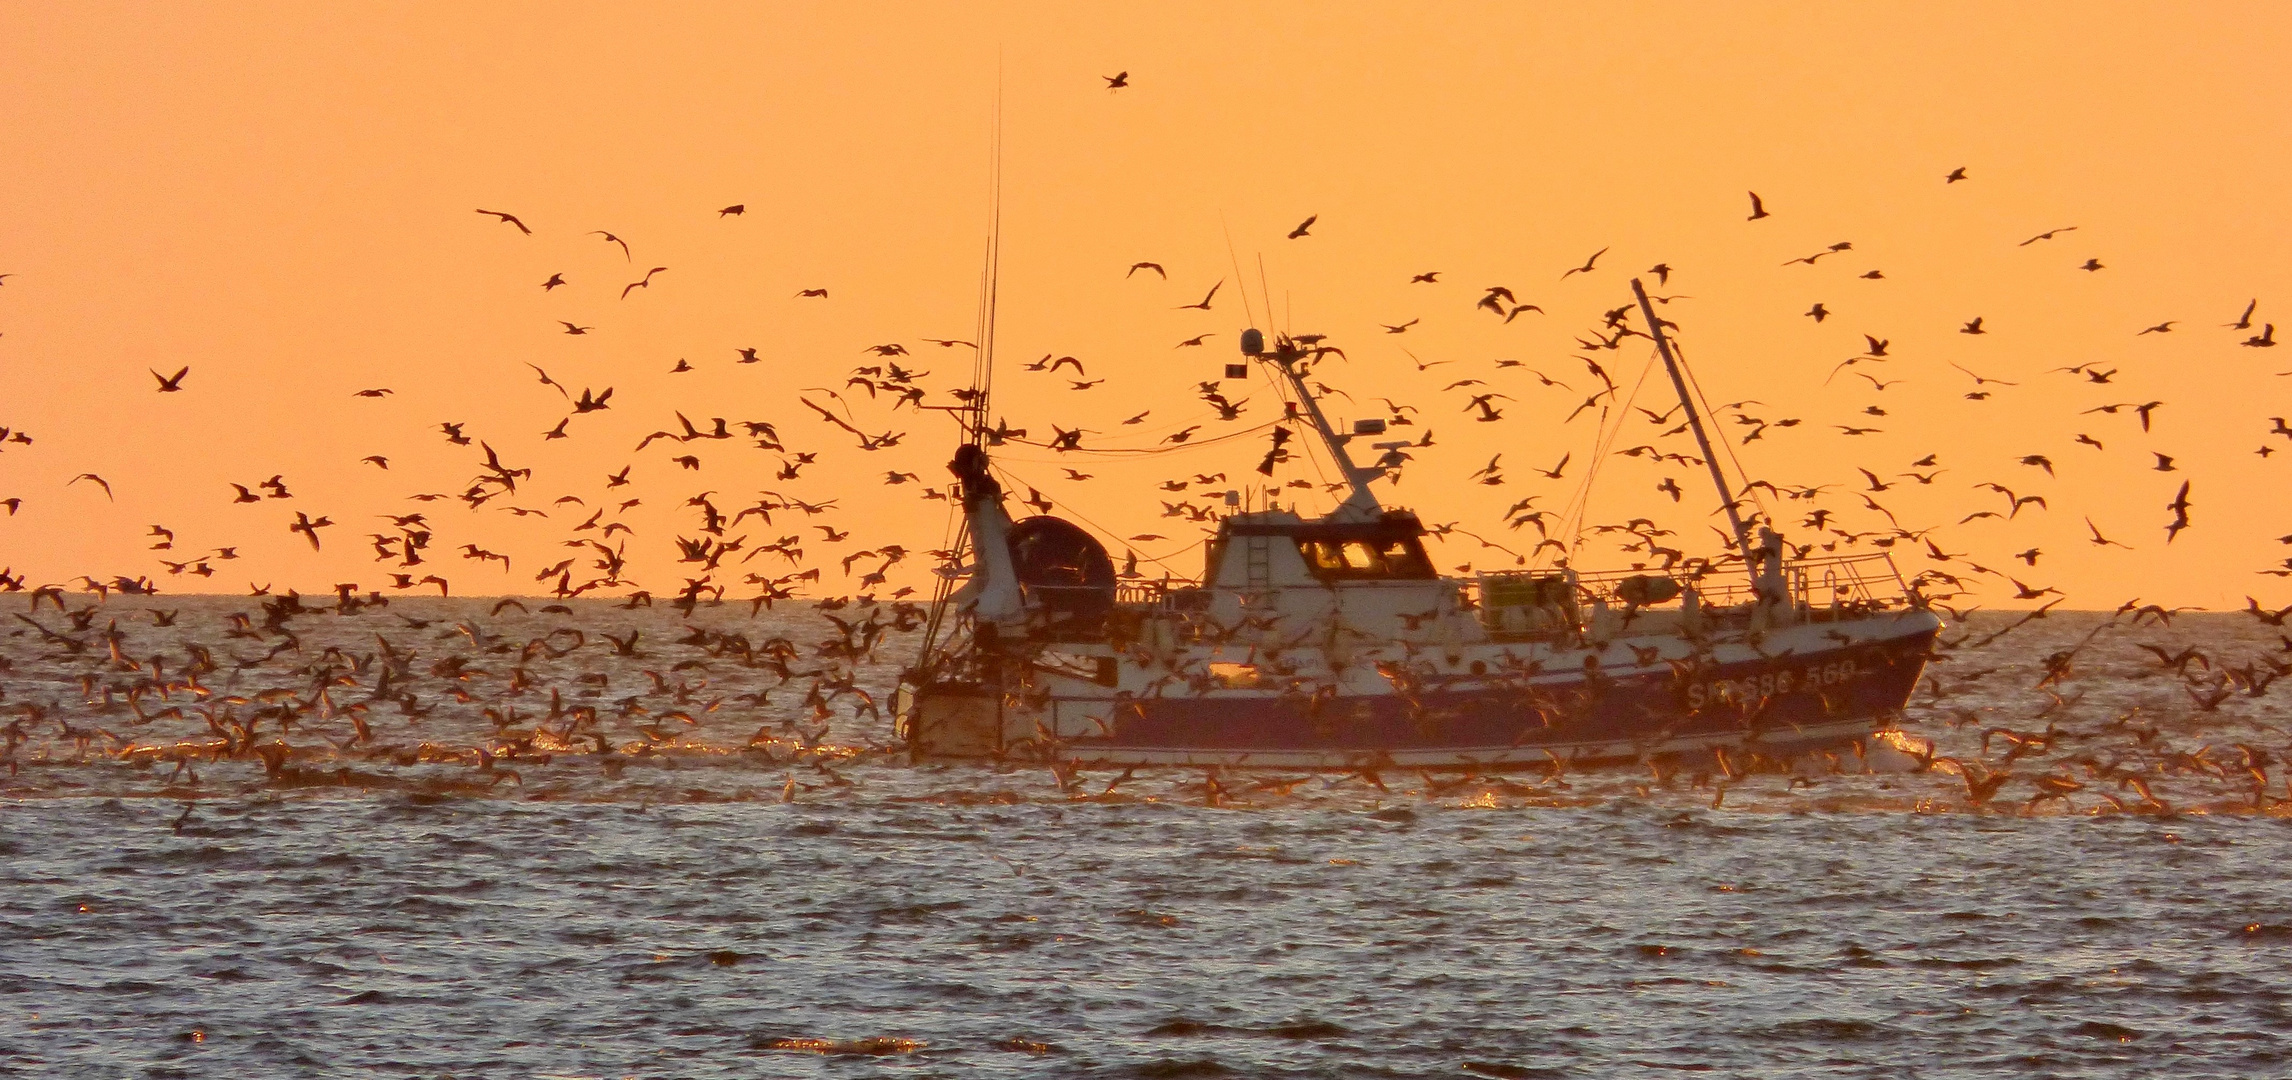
(1302, 226)
(1588, 263)
(1956, 175)
(554, 281)
(645, 284)
(611, 239)
(2165, 327)
(169, 384)
(2047, 235)
(309, 528)
(1156, 267)
(99, 482)
(1205, 304)
(1758, 208)
(2243, 322)
(572, 329)
(734, 210)
(1117, 81)
(511, 218)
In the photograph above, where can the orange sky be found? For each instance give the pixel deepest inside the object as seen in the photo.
(281, 199)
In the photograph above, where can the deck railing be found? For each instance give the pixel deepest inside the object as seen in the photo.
(1869, 580)
(1866, 580)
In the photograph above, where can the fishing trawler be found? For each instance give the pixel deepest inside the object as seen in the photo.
(1332, 642)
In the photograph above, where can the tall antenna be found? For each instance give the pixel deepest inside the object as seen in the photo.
(983, 362)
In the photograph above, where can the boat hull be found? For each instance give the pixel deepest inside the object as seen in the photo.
(1814, 692)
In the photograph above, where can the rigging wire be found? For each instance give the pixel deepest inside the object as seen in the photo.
(1577, 509)
(1765, 511)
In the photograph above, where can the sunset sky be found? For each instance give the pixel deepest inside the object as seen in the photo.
(281, 198)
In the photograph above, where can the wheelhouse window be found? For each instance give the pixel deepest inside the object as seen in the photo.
(1366, 558)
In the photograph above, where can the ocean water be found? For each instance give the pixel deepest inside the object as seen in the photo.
(722, 873)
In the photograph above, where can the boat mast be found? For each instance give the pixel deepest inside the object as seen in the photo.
(1727, 499)
(1361, 503)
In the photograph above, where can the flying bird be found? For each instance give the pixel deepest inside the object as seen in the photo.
(611, 239)
(1587, 267)
(99, 482)
(2243, 322)
(1205, 304)
(1758, 208)
(2091, 264)
(645, 284)
(2047, 235)
(821, 293)
(1956, 175)
(1117, 81)
(375, 392)
(2103, 541)
(1302, 226)
(169, 384)
(511, 218)
(2180, 508)
(2165, 327)
(572, 329)
(734, 210)
(554, 281)
(1429, 277)
(1156, 267)
(309, 528)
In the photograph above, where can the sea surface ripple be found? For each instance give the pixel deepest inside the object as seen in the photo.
(759, 892)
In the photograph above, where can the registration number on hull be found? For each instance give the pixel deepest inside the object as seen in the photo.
(1768, 684)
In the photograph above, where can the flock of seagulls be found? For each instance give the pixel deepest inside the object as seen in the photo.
(720, 556)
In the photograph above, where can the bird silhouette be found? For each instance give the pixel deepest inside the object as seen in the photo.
(611, 239)
(1302, 226)
(2180, 507)
(1587, 267)
(169, 384)
(510, 218)
(1758, 208)
(644, 284)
